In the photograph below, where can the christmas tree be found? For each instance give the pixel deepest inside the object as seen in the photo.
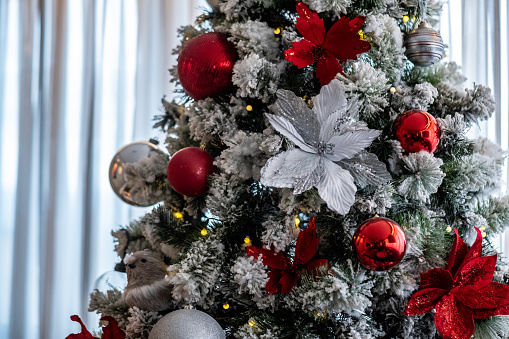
(320, 183)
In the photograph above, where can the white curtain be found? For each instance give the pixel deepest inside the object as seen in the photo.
(477, 32)
(78, 80)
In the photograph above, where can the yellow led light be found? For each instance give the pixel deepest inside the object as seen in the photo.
(377, 216)
(178, 215)
(297, 221)
(318, 314)
(448, 229)
(406, 18)
(483, 228)
(251, 323)
(483, 234)
(247, 240)
(204, 232)
(249, 108)
(393, 89)
(277, 30)
(226, 306)
(414, 18)
(361, 34)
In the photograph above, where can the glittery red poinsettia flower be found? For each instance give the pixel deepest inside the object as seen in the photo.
(112, 331)
(462, 292)
(341, 42)
(284, 272)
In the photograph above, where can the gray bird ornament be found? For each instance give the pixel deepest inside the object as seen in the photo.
(146, 287)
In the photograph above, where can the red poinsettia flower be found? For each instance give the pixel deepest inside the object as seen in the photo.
(462, 292)
(112, 331)
(341, 42)
(284, 272)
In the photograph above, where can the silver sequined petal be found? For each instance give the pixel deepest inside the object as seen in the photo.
(298, 164)
(295, 110)
(269, 172)
(286, 128)
(349, 144)
(367, 169)
(331, 100)
(301, 185)
(337, 188)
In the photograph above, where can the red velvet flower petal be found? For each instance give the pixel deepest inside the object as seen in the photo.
(458, 253)
(327, 69)
(301, 55)
(483, 314)
(493, 295)
(305, 249)
(488, 313)
(343, 43)
(436, 278)
(504, 310)
(315, 264)
(85, 334)
(112, 331)
(423, 301)
(269, 257)
(313, 267)
(310, 25)
(356, 23)
(476, 250)
(475, 274)
(453, 319)
(289, 280)
(273, 285)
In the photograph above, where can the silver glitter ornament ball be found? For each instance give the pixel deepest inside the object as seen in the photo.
(424, 46)
(187, 324)
(134, 153)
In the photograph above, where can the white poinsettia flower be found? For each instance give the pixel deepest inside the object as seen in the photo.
(324, 135)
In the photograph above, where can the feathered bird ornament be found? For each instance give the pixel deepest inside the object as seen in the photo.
(146, 287)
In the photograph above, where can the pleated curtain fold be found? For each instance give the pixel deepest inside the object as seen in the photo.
(79, 79)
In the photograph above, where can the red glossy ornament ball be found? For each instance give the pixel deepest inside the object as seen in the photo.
(188, 170)
(417, 131)
(379, 243)
(205, 65)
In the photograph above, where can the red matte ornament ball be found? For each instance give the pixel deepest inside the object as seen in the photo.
(205, 65)
(188, 170)
(417, 131)
(379, 243)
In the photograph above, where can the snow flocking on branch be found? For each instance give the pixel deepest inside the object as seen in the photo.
(195, 275)
(452, 126)
(251, 277)
(370, 85)
(325, 135)
(338, 7)
(426, 176)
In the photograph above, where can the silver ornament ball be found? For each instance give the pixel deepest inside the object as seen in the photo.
(187, 324)
(213, 3)
(111, 280)
(424, 46)
(131, 154)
